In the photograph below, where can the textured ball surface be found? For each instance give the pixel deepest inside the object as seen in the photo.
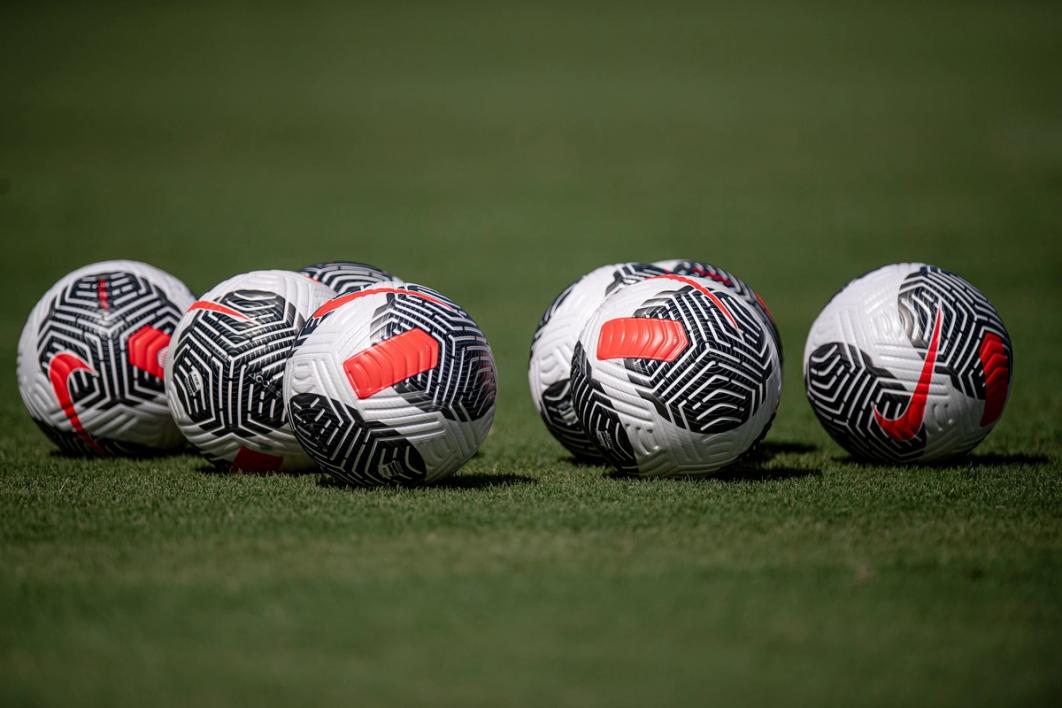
(727, 280)
(675, 375)
(89, 367)
(549, 370)
(908, 363)
(225, 371)
(347, 276)
(391, 385)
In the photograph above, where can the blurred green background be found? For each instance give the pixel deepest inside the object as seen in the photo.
(497, 152)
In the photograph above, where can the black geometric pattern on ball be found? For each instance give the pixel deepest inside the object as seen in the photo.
(462, 386)
(598, 416)
(346, 276)
(560, 417)
(93, 319)
(720, 380)
(352, 449)
(844, 388)
(550, 311)
(228, 372)
(966, 317)
(729, 280)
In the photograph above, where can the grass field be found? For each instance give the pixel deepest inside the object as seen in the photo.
(496, 153)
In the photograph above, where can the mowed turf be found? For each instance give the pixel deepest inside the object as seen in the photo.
(496, 154)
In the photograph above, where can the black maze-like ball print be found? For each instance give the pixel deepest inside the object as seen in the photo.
(550, 311)
(462, 386)
(558, 413)
(721, 395)
(346, 276)
(352, 449)
(598, 415)
(845, 388)
(228, 365)
(967, 316)
(106, 329)
(734, 284)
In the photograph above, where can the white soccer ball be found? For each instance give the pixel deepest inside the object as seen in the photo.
(549, 369)
(225, 369)
(908, 363)
(393, 384)
(347, 276)
(89, 367)
(675, 375)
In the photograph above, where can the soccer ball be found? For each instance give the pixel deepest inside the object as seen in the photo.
(728, 280)
(391, 385)
(675, 375)
(549, 370)
(225, 370)
(347, 276)
(89, 367)
(908, 363)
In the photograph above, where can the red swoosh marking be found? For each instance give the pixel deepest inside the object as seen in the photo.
(386, 363)
(996, 366)
(641, 338)
(62, 366)
(908, 424)
(215, 307)
(703, 290)
(337, 302)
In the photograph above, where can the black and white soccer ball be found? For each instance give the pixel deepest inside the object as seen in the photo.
(347, 276)
(549, 369)
(393, 384)
(89, 359)
(716, 274)
(675, 375)
(908, 363)
(225, 369)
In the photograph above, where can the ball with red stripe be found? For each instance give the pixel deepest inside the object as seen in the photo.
(225, 369)
(675, 375)
(908, 363)
(89, 359)
(393, 384)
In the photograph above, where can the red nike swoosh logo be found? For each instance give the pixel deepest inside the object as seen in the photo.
(62, 366)
(215, 307)
(702, 290)
(907, 425)
(337, 302)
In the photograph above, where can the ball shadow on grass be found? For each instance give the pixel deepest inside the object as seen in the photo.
(146, 456)
(223, 471)
(752, 467)
(472, 481)
(735, 474)
(966, 462)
